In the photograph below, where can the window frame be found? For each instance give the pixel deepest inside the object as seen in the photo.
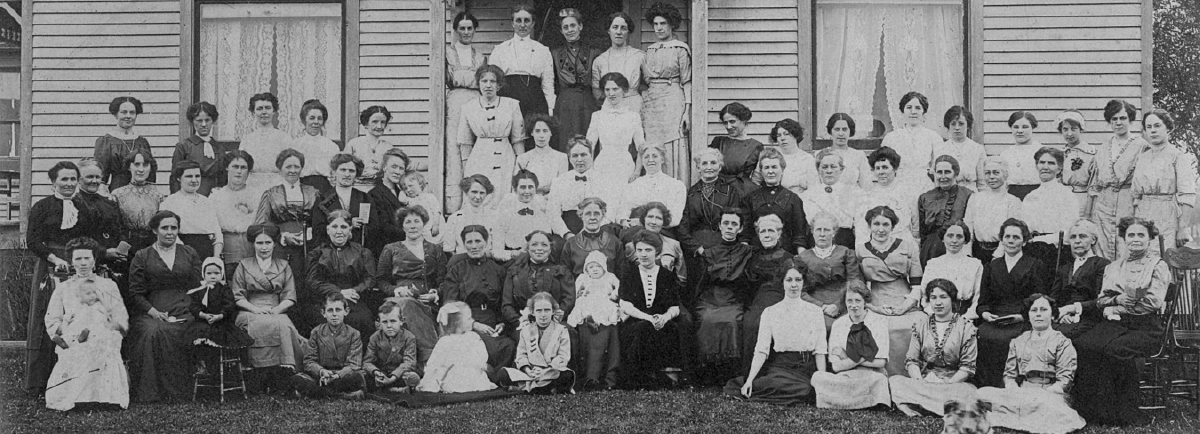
(972, 75)
(189, 67)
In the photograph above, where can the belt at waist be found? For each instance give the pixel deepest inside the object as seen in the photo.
(1040, 377)
(663, 80)
(1157, 196)
(494, 139)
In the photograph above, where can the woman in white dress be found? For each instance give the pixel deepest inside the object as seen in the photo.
(370, 147)
(265, 142)
(957, 266)
(914, 142)
(491, 130)
(616, 131)
(967, 152)
(655, 186)
(856, 170)
(1022, 166)
(800, 173)
(858, 352)
(543, 160)
(317, 148)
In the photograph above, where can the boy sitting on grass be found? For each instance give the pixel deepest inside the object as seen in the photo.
(391, 360)
(333, 358)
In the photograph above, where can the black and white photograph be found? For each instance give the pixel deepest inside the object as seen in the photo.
(601, 216)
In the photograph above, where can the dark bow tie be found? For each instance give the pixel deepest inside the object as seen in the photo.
(525, 211)
(828, 189)
(581, 178)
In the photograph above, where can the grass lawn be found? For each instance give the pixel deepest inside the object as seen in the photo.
(705, 410)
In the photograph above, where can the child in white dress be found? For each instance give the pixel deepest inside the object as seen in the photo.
(596, 305)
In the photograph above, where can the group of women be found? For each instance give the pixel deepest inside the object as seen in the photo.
(799, 276)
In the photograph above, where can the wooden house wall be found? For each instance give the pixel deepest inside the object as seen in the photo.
(1046, 56)
(753, 58)
(394, 54)
(85, 53)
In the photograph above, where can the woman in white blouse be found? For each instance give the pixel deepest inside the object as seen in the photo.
(543, 160)
(967, 152)
(202, 231)
(527, 64)
(800, 173)
(265, 142)
(656, 185)
(616, 131)
(988, 209)
(315, 146)
(914, 142)
(1022, 166)
(957, 266)
(791, 346)
(620, 58)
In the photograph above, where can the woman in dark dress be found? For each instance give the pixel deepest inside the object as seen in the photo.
(113, 149)
(409, 273)
(385, 201)
(478, 281)
(790, 347)
(1133, 293)
(592, 238)
(202, 148)
(53, 221)
(698, 228)
(723, 291)
(289, 206)
(774, 198)
(1077, 283)
(828, 269)
(158, 351)
(346, 170)
(344, 266)
(765, 272)
(533, 272)
(104, 221)
(739, 150)
(650, 337)
(1002, 294)
(575, 104)
(938, 208)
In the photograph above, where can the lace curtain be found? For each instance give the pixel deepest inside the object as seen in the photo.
(308, 66)
(297, 59)
(921, 48)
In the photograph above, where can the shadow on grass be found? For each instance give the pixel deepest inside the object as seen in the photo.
(705, 410)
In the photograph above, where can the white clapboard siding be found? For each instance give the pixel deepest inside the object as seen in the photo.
(752, 59)
(1046, 56)
(394, 54)
(85, 53)
(647, 30)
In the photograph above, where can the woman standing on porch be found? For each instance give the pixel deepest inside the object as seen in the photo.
(462, 60)
(667, 70)
(573, 81)
(525, 66)
(914, 142)
(1022, 164)
(1164, 181)
(491, 129)
(620, 58)
(114, 148)
(1115, 161)
(740, 151)
(265, 142)
(615, 129)
(202, 148)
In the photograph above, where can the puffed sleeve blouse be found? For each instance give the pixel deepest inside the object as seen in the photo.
(792, 325)
(1052, 354)
(902, 261)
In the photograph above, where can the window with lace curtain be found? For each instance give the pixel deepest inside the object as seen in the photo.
(293, 50)
(869, 53)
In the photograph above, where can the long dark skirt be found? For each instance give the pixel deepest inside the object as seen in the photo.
(527, 90)
(646, 351)
(39, 350)
(786, 379)
(158, 367)
(993, 351)
(1106, 382)
(573, 110)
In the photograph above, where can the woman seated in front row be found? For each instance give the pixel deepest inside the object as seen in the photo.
(650, 336)
(265, 289)
(858, 353)
(790, 347)
(941, 356)
(1037, 375)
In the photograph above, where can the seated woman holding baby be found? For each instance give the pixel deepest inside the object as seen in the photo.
(87, 319)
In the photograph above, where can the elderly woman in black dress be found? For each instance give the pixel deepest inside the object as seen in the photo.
(532, 272)
(1130, 299)
(740, 152)
(409, 273)
(698, 227)
(650, 336)
(114, 148)
(724, 289)
(946, 203)
(53, 221)
(478, 281)
(1078, 282)
(1007, 281)
(766, 269)
(159, 278)
(344, 266)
